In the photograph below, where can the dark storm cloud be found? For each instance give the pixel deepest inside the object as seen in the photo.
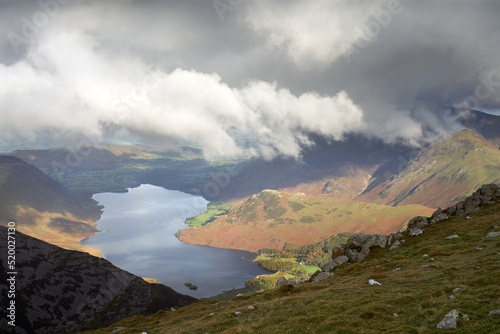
(211, 72)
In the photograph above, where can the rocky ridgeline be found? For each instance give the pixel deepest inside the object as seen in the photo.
(65, 291)
(359, 246)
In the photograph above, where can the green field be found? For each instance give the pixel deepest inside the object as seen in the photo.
(214, 209)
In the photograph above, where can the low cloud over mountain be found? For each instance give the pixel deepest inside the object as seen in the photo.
(238, 77)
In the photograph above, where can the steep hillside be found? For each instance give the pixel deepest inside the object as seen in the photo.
(441, 174)
(62, 291)
(43, 208)
(422, 280)
(273, 219)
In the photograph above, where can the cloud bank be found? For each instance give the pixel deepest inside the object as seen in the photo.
(264, 80)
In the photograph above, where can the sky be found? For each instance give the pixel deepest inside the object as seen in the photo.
(239, 77)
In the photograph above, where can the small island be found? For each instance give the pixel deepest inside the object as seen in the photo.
(191, 286)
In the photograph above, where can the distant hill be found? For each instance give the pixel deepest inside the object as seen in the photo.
(62, 291)
(42, 207)
(441, 174)
(272, 219)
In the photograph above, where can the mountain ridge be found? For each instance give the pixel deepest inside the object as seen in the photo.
(441, 174)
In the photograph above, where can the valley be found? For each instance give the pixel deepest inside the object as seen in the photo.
(312, 205)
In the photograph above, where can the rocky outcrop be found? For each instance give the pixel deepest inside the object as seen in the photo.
(58, 290)
(487, 194)
(359, 246)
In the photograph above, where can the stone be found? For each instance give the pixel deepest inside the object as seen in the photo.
(397, 236)
(493, 235)
(373, 282)
(363, 253)
(251, 307)
(375, 240)
(396, 269)
(237, 313)
(356, 241)
(452, 237)
(395, 245)
(417, 222)
(281, 282)
(322, 276)
(352, 255)
(494, 312)
(337, 250)
(449, 320)
(389, 239)
(415, 231)
(489, 190)
(395, 315)
(335, 263)
(457, 289)
(438, 216)
(118, 329)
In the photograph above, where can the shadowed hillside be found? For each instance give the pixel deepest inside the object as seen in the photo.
(42, 207)
(62, 291)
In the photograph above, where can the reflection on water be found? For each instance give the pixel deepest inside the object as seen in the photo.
(142, 225)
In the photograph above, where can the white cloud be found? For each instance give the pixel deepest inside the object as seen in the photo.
(312, 32)
(67, 85)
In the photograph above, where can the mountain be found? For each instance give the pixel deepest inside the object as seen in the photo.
(42, 207)
(439, 175)
(421, 281)
(62, 291)
(272, 219)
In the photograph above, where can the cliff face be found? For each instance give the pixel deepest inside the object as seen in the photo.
(58, 290)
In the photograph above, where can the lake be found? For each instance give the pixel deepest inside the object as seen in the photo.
(139, 236)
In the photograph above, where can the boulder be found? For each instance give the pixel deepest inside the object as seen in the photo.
(322, 276)
(438, 216)
(337, 250)
(416, 231)
(417, 222)
(493, 235)
(375, 240)
(334, 263)
(281, 282)
(449, 320)
(356, 241)
(363, 253)
(352, 255)
(489, 190)
(395, 245)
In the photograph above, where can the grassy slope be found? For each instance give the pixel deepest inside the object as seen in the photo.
(272, 219)
(442, 174)
(418, 292)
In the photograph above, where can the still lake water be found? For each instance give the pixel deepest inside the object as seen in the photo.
(140, 237)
